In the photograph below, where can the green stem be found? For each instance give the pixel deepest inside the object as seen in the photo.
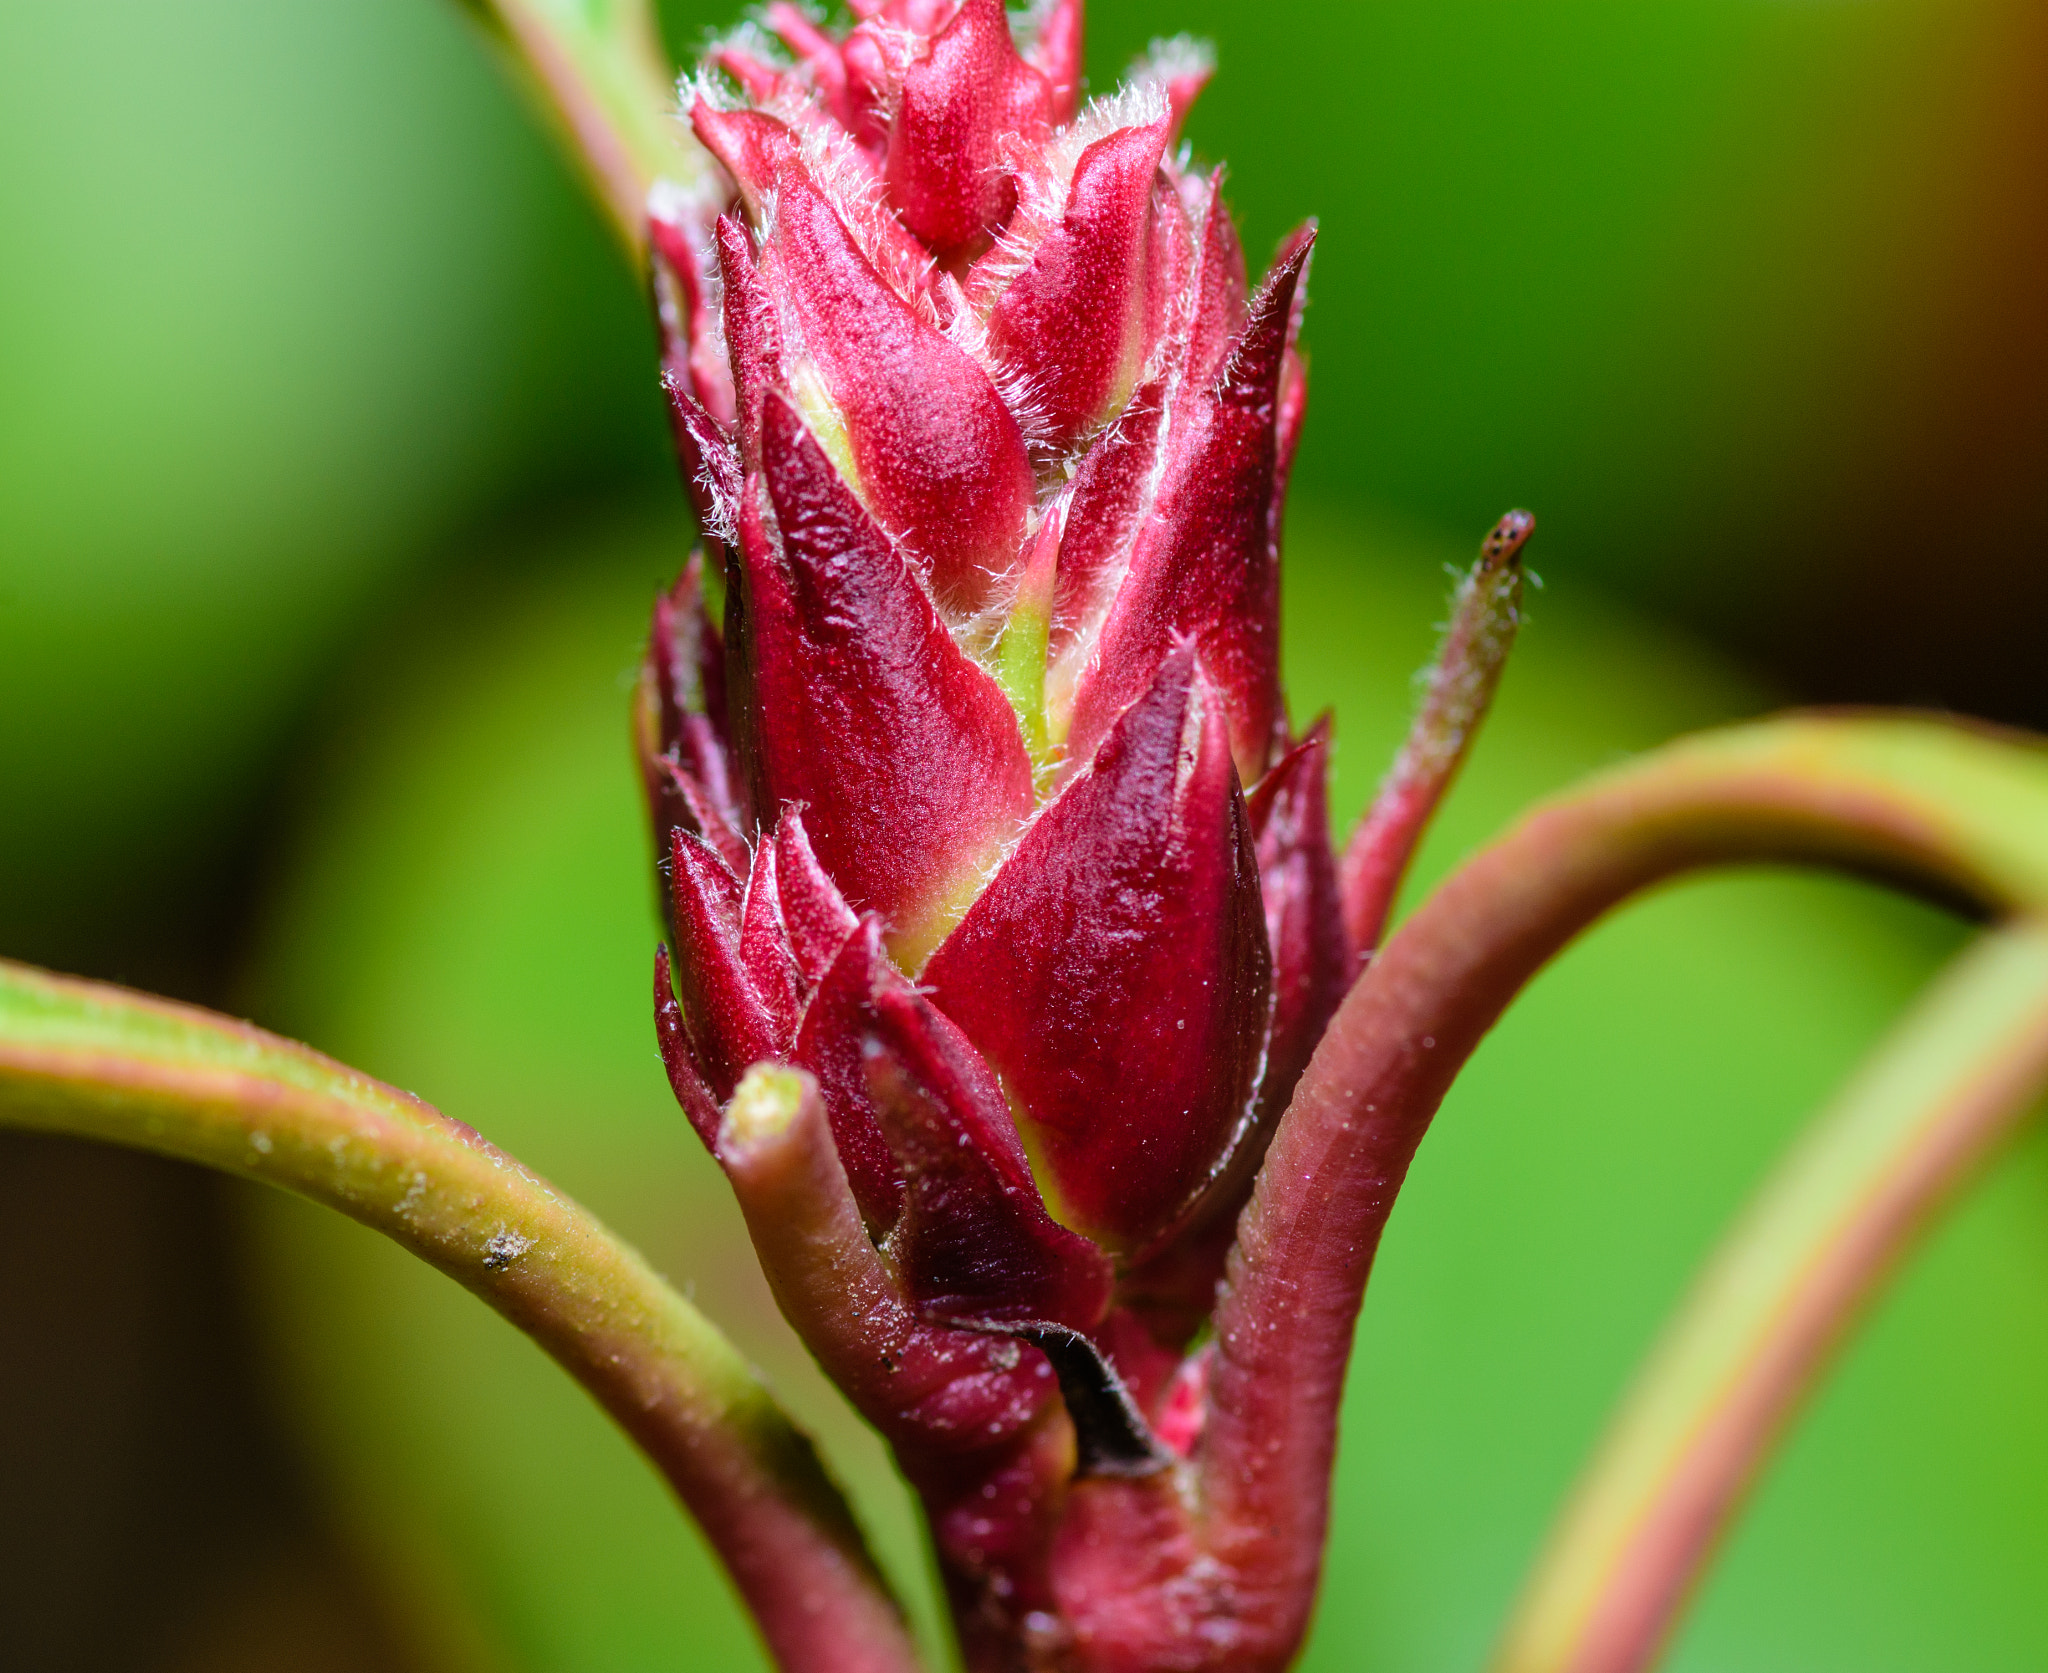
(1951, 1083)
(599, 70)
(99, 1062)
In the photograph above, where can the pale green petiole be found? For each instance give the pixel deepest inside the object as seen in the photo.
(99, 1062)
(1953, 1081)
(600, 71)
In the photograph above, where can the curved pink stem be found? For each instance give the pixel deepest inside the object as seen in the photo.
(1944, 809)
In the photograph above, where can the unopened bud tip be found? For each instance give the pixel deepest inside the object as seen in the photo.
(1504, 545)
(764, 1106)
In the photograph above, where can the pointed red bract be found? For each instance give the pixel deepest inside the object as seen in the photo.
(1180, 69)
(907, 760)
(1221, 291)
(729, 1023)
(680, 265)
(678, 1057)
(867, 90)
(752, 147)
(1169, 269)
(1112, 491)
(764, 946)
(974, 1240)
(762, 82)
(687, 654)
(1058, 56)
(1291, 400)
(680, 724)
(1175, 1287)
(705, 450)
(1290, 818)
(1071, 326)
(753, 336)
(957, 103)
(680, 803)
(831, 1045)
(1115, 971)
(1207, 563)
(816, 52)
(1291, 408)
(938, 455)
(814, 913)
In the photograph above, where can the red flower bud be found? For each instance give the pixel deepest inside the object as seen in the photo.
(1006, 703)
(965, 775)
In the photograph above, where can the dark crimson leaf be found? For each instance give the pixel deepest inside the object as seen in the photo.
(1207, 562)
(903, 753)
(1115, 971)
(1071, 326)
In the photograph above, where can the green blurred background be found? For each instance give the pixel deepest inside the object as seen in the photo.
(332, 493)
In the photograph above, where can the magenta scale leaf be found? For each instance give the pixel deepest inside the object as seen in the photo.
(1071, 325)
(1206, 562)
(908, 763)
(1116, 970)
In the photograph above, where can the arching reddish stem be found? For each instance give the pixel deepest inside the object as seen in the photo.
(1926, 803)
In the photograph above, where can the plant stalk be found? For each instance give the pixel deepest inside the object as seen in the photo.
(1486, 613)
(598, 69)
(99, 1062)
(1935, 1101)
(1943, 809)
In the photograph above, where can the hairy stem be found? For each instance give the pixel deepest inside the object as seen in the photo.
(1952, 812)
(103, 1063)
(1950, 1084)
(1486, 611)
